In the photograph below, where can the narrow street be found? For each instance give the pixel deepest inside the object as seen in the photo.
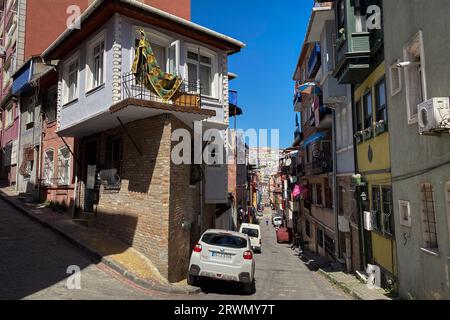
(34, 261)
(280, 275)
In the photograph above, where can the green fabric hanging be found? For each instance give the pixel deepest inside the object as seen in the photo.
(148, 73)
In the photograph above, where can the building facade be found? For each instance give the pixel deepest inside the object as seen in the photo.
(129, 183)
(420, 168)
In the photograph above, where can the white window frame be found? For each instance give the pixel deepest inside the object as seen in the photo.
(412, 119)
(60, 182)
(90, 60)
(74, 58)
(160, 39)
(404, 221)
(214, 67)
(48, 178)
(394, 69)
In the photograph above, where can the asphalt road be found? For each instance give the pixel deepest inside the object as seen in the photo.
(280, 275)
(34, 263)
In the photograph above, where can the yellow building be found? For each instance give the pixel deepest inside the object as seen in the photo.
(373, 160)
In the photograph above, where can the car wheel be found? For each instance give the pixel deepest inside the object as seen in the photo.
(249, 288)
(192, 280)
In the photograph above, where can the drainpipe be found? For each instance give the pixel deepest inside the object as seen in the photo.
(359, 215)
(335, 197)
(18, 107)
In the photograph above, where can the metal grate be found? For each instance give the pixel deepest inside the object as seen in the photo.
(429, 217)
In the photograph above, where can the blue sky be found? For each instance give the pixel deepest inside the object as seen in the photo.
(273, 32)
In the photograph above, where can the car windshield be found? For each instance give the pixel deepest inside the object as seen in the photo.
(224, 240)
(254, 233)
(277, 219)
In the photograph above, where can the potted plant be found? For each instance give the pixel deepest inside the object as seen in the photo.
(380, 127)
(367, 133)
(359, 137)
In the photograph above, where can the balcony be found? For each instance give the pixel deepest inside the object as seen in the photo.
(320, 165)
(357, 51)
(314, 61)
(187, 98)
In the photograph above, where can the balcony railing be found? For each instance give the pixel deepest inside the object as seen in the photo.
(188, 95)
(322, 164)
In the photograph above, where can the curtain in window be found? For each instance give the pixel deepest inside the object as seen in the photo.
(148, 72)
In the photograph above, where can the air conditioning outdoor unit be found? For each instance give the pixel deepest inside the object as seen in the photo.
(434, 115)
(368, 222)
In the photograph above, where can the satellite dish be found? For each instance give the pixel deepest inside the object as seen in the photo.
(288, 162)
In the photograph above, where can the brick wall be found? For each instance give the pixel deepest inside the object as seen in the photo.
(139, 213)
(155, 198)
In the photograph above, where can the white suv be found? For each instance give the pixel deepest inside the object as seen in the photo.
(254, 232)
(223, 255)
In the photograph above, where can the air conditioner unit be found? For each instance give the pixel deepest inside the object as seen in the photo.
(368, 222)
(434, 115)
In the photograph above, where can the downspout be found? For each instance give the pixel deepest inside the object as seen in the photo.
(18, 107)
(39, 164)
(359, 215)
(335, 187)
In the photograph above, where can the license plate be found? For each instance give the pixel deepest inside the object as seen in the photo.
(220, 255)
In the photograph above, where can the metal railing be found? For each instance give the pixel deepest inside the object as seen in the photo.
(188, 95)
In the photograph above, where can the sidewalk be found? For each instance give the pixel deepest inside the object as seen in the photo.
(100, 245)
(347, 282)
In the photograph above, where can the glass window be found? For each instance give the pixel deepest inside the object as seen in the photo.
(200, 68)
(381, 106)
(64, 166)
(428, 217)
(160, 55)
(72, 81)
(376, 208)
(224, 240)
(48, 167)
(368, 111)
(388, 213)
(251, 232)
(98, 66)
(359, 125)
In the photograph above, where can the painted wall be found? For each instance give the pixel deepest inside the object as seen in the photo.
(93, 102)
(422, 275)
(45, 21)
(98, 101)
(376, 172)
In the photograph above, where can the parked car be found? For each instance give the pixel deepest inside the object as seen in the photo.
(223, 255)
(277, 221)
(254, 233)
(282, 235)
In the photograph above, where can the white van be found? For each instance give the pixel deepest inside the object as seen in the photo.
(254, 233)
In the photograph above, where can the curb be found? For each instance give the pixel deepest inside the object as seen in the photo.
(341, 285)
(171, 289)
